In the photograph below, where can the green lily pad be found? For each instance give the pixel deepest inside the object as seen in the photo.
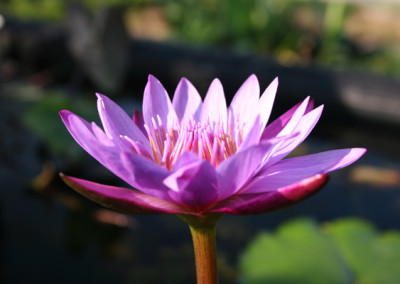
(373, 257)
(343, 251)
(297, 253)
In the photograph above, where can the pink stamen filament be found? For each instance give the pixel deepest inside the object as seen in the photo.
(152, 144)
(208, 141)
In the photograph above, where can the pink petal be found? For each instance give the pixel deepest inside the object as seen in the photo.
(123, 199)
(294, 120)
(187, 102)
(244, 204)
(117, 123)
(277, 125)
(266, 102)
(81, 131)
(303, 129)
(145, 175)
(238, 169)
(214, 107)
(245, 102)
(102, 138)
(290, 171)
(157, 103)
(252, 137)
(94, 141)
(184, 159)
(139, 121)
(139, 172)
(193, 185)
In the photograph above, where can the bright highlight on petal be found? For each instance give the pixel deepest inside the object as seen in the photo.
(198, 158)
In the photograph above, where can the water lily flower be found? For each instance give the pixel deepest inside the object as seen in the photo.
(201, 159)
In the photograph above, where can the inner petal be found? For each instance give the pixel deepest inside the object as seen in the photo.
(208, 141)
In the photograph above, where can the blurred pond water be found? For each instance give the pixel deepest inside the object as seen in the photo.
(50, 234)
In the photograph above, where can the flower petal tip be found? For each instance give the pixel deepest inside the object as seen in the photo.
(64, 113)
(100, 96)
(66, 116)
(67, 179)
(216, 81)
(184, 80)
(253, 77)
(357, 153)
(153, 80)
(361, 151)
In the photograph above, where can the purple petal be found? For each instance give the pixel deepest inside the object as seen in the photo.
(277, 125)
(252, 137)
(266, 102)
(236, 171)
(157, 103)
(244, 204)
(139, 172)
(295, 119)
(187, 102)
(245, 102)
(117, 123)
(123, 199)
(94, 141)
(145, 175)
(290, 171)
(81, 131)
(102, 138)
(184, 159)
(303, 129)
(214, 107)
(194, 185)
(139, 121)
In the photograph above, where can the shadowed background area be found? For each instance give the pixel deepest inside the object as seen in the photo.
(56, 54)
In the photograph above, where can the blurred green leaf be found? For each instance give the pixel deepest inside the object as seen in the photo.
(374, 257)
(42, 118)
(297, 253)
(344, 251)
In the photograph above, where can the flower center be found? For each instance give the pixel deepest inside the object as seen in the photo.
(208, 140)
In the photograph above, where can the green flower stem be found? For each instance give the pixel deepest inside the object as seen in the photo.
(204, 244)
